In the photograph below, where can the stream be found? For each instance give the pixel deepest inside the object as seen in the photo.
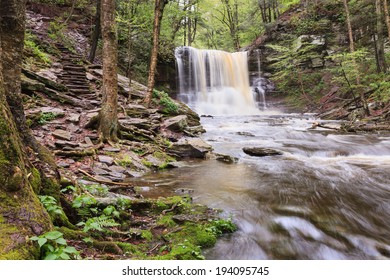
(326, 197)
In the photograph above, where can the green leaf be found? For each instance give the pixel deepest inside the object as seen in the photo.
(61, 241)
(42, 241)
(34, 238)
(64, 256)
(71, 250)
(50, 247)
(51, 256)
(52, 235)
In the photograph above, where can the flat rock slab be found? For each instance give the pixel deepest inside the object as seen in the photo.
(106, 159)
(261, 152)
(190, 147)
(62, 134)
(177, 124)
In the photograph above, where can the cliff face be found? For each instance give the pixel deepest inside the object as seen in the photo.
(305, 54)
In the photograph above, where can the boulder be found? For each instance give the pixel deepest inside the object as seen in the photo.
(261, 152)
(190, 148)
(177, 124)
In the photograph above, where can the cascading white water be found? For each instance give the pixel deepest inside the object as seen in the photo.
(215, 82)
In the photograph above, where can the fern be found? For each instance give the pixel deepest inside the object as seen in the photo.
(98, 223)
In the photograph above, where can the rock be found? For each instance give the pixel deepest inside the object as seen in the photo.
(195, 130)
(62, 134)
(182, 191)
(248, 134)
(310, 39)
(100, 171)
(190, 147)
(317, 62)
(106, 159)
(261, 152)
(183, 218)
(62, 143)
(116, 168)
(55, 111)
(111, 149)
(88, 141)
(177, 124)
(226, 158)
(74, 118)
(135, 110)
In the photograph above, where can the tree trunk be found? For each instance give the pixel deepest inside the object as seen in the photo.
(349, 26)
(21, 213)
(382, 67)
(96, 33)
(352, 50)
(108, 127)
(387, 17)
(13, 25)
(158, 14)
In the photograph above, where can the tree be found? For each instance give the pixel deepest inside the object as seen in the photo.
(352, 50)
(96, 32)
(158, 14)
(380, 46)
(21, 213)
(387, 17)
(108, 119)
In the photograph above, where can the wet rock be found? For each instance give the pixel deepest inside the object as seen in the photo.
(177, 124)
(225, 158)
(136, 110)
(116, 175)
(195, 130)
(183, 191)
(62, 134)
(261, 152)
(106, 159)
(248, 134)
(190, 147)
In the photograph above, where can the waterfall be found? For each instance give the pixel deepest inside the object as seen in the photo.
(215, 82)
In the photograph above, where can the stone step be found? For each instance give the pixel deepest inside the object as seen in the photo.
(75, 73)
(81, 91)
(77, 86)
(75, 81)
(73, 69)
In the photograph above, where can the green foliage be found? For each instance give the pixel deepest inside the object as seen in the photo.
(54, 247)
(46, 117)
(168, 104)
(51, 206)
(83, 205)
(125, 160)
(98, 223)
(33, 50)
(218, 227)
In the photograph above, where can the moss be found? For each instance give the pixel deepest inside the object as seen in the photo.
(147, 234)
(35, 180)
(72, 234)
(166, 221)
(13, 245)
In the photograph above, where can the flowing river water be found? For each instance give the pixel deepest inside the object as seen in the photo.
(326, 197)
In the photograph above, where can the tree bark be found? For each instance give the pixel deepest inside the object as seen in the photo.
(387, 17)
(21, 213)
(96, 33)
(108, 124)
(382, 67)
(159, 6)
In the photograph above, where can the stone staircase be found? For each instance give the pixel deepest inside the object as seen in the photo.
(73, 74)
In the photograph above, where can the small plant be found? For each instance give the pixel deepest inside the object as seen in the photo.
(54, 247)
(98, 223)
(124, 161)
(50, 204)
(46, 117)
(83, 205)
(168, 105)
(34, 50)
